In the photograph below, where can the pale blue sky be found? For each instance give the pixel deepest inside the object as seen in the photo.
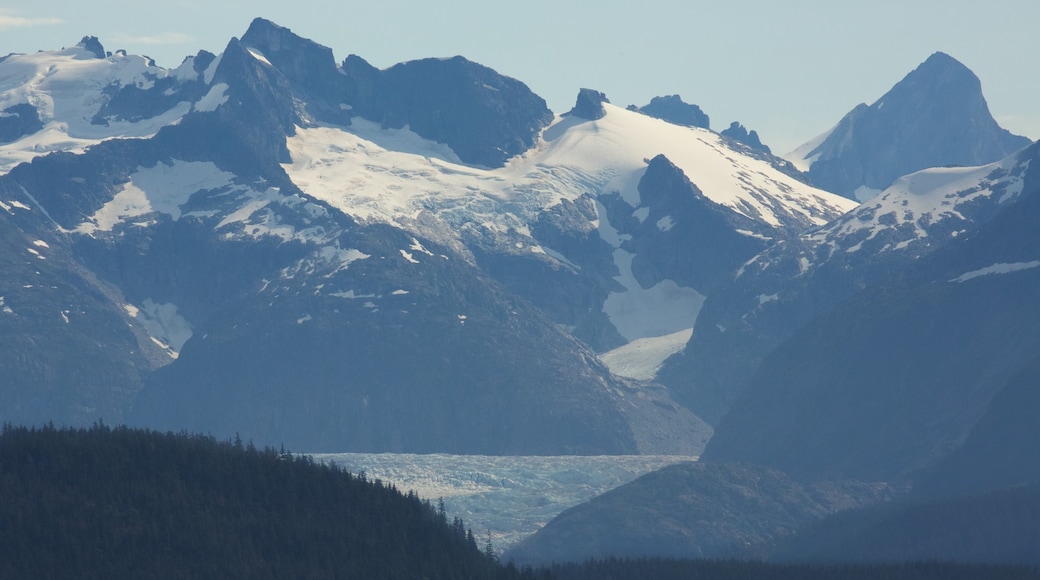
(787, 69)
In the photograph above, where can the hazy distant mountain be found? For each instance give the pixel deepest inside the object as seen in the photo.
(690, 510)
(935, 117)
(893, 380)
(790, 283)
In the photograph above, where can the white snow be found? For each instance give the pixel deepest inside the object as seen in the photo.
(922, 199)
(642, 358)
(641, 214)
(164, 325)
(216, 97)
(666, 223)
(408, 256)
(4, 307)
(394, 175)
(40, 244)
(159, 189)
(259, 56)
(1002, 268)
(66, 88)
(639, 312)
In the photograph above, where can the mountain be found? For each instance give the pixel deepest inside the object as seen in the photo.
(998, 527)
(690, 510)
(1000, 451)
(935, 117)
(790, 283)
(891, 381)
(421, 259)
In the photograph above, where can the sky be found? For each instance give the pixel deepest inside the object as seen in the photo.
(789, 70)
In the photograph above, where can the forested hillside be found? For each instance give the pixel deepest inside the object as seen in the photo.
(123, 503)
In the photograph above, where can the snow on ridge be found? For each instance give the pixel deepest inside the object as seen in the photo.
(918, 201)
(66, 88)
(394, 176)
(1001, 268)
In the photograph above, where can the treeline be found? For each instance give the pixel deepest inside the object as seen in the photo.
(671, 569)
(124, 503)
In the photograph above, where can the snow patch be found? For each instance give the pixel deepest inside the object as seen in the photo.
(642, 358)
(394, 176)
(159, 189)
(216, 97)
(4, 307)
(666, 223)
(399, 293)
(408, 256)
(641, 214)
(1002, 268)
(639, 312)
(164, 325)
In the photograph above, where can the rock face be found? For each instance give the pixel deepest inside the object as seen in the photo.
(738, 132)
(671, 108)
(486, 118)
(935, 117)
(589, 105)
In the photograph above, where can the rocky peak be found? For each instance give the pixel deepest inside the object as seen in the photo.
(93, 45)
(738, 132)
(485, 117)
(589, 105)
(671, 108)
(936, 116)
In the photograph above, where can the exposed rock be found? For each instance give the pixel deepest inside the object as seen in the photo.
(589, 105)
(93, 45)
(672, 109)
(486, 118)
(737, 132)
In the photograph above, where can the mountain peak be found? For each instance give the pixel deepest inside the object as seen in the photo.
(935, 116)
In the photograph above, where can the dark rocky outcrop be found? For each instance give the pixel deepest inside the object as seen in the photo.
(93, 45)
(738, 132)
(589, 105)
(685, 236)
(672, 109)
(19, 120)
(486, 118)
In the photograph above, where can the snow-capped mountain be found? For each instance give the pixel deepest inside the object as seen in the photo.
(935, 117)
(336, 257)
(790, 283)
